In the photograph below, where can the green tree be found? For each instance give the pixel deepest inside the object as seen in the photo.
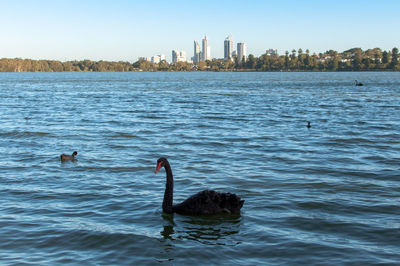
(163, 65)
(307, 60)
(56, 66)
(293, 60)
(300, 59)
(395, 58)
(367, 62)
(377, 59)
(385, 57)
(228, 65)
(251, 62)
(286, 60)
(333, 64)
(202, 65)
(357, 60)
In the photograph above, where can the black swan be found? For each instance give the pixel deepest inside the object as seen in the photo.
(204, 202)
(358, 83)
(65, 157)
(308, 124)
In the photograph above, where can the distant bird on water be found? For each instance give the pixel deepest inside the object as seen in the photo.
(358, 83)
(65, 158)
(308, 124)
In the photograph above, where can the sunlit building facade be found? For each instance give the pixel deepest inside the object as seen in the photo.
(197, 53)
(228, 48)
(178, 56)
(206, 52)
(241, 51)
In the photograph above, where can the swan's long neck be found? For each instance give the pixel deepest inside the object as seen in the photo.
(169, 190)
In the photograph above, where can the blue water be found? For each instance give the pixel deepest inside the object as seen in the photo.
(329, 194)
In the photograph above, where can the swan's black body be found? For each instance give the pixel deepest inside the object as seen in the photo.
(65, 157)
(358, 83)
(204, 202)
(308, 124)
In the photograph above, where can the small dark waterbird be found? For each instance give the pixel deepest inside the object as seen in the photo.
(308, 124)
(358, 83)
(203, 203)
(65, 157)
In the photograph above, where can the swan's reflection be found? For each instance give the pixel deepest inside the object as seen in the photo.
(210, 230)
(168, 230)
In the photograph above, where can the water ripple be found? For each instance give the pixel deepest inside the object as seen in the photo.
(328, 194)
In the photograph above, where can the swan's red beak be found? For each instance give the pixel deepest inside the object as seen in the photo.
(158, 167)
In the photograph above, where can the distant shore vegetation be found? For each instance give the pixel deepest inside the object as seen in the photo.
(354, 59)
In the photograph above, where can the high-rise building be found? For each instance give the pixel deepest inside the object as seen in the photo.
(197, 53)
(182, 56)
(241, 51)
(175, 55)
(271, 52)
(178, 56)
(206, 53)
(228, 48)
(156, 58)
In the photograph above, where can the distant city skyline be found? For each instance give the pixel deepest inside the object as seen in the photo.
(204, 53)
(124, 30)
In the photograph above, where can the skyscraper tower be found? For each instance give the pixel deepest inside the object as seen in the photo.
(228, 48)
(206, 50)
(197, 53)
(178, 56)
(241, 51)
(175, 55)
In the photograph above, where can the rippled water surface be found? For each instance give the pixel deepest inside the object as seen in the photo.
(329, 194)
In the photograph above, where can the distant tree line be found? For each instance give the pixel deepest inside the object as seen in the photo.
(354, 59)
(28, 65)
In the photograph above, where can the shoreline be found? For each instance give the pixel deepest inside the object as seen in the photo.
(352, 60)
(238, 71)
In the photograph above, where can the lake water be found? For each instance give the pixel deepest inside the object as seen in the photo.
(329, 194)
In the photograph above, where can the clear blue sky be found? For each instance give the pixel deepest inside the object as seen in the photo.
(125, 30)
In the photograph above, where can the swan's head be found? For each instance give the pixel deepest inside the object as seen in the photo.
(74, 153)
(160, 163)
